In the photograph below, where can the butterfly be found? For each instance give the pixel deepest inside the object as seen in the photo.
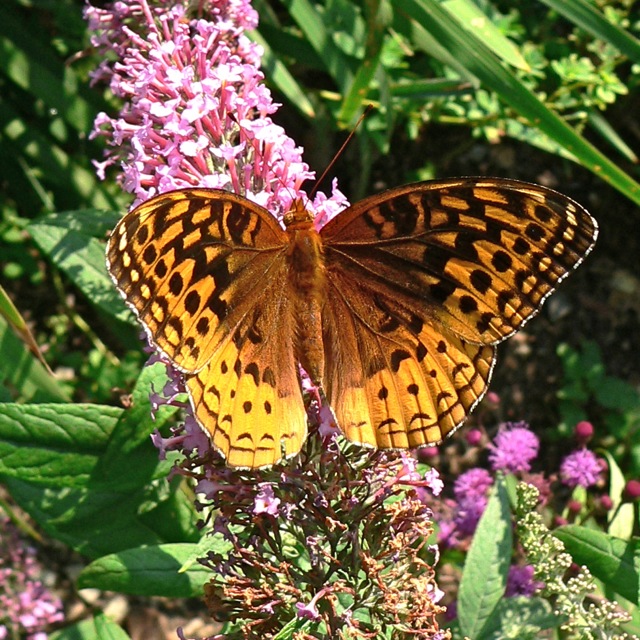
(394, 308)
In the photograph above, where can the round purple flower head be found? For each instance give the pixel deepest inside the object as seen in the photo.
(514, 448)
(580, 469)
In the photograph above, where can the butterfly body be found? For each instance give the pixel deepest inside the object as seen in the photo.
(394, 307)
(308, 290)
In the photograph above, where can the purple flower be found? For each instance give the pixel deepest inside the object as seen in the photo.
(470, 491)
(580, 469)
(310, 611)
(407, 474)
(468, 516)
(514, 449)
(473, 485)
(520, 581)
(307, 611)
(433, 481)
(266, 502)
(26, 606)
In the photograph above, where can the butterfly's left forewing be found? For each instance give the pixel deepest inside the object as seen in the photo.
(428, 277)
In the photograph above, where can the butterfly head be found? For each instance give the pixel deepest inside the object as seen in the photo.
(298, 217)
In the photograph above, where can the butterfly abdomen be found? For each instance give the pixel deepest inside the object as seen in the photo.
(307, 282)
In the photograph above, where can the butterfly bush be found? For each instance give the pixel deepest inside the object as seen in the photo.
(195, 108)
(335, 541)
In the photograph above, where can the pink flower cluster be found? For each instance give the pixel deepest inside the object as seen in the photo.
(26, 605)
(196, 111)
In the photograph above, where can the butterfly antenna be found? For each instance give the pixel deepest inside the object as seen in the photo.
(319, 181)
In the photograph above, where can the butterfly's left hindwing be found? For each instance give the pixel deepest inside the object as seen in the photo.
(248, 395)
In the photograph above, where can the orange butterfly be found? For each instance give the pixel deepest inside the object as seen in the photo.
(394, 308)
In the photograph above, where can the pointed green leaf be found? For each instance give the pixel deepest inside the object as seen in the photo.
(21, 370)
(484, 577)
(98, 628)
(622, 515)
(68, 240)
(609, 559)
(149, 571)
(54, 444)
(474, 20)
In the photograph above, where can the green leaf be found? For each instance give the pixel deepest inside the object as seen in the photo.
(9, 312)
(586, 15)
(68, 240)
(98, 628)
(598, 123)
(54, 444)
(353, 98)
(610, 559)
(522, 618)
(174, 517)
(93, 523)
(277, 73)
(316, 32)
(475, 21)
(423, 88)
(484, 577)
(21, 370)
(29, 60)
(129, 460)
(77, 445)
(295, 624)
(48, 110)
(53, 459)
(614, 393)
(622, 514)
(149, 571)
(215, 543)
